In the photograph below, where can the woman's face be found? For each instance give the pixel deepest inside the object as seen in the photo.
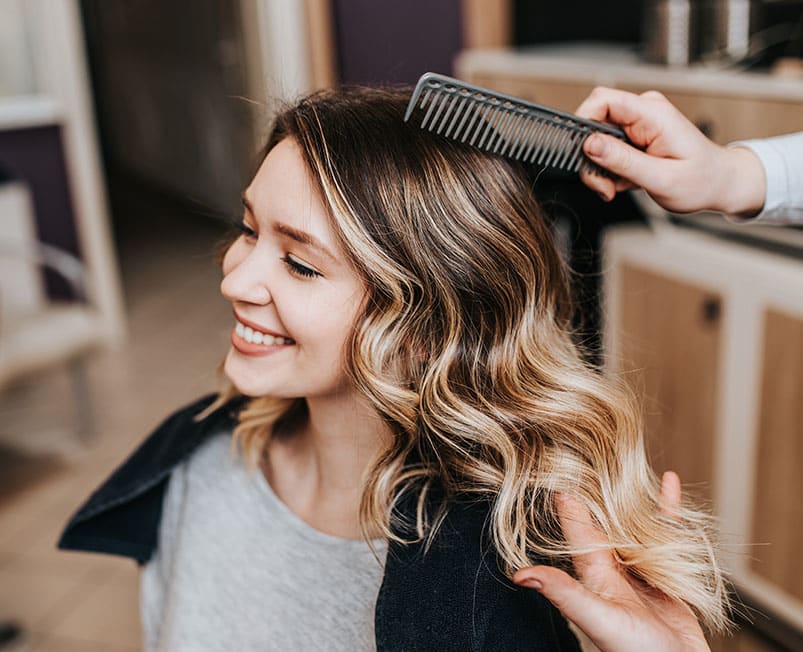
(294, 295)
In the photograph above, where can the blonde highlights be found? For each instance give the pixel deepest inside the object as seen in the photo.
(465, 348)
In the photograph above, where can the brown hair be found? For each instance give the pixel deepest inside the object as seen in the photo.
(465, 349)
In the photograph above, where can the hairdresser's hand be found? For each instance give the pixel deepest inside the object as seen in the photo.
(617, 612)
(677, 165)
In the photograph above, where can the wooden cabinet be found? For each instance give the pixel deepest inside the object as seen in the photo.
(670, 344)
(778, 494)
(710, 333)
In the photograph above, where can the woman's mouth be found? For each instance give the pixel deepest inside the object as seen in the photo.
(253, 342)
(254, 336)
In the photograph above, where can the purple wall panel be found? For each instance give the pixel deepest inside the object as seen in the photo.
(35, 156)
(391, 41)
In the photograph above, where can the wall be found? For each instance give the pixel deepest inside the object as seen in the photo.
(389, 41)
(16, 65)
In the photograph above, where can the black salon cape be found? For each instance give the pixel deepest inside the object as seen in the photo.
(452, 597)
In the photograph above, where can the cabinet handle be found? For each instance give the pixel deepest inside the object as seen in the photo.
(712, 307)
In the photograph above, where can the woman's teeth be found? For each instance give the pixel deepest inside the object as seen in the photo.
(255, 337)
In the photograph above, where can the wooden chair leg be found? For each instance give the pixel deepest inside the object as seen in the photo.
(85, 417)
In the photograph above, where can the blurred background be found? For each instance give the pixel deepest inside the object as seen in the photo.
(128, 129)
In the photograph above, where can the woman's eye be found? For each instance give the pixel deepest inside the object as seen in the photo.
(297, 268)
(245, 230)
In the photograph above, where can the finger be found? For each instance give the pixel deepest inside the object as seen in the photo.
(677, 615)
(603, 186)
(597, 567)
(613, 105)
(623, 184)
(595, 106)
(654, 95)
(670, 494)
(588, 611)
(606, 187)
(623, 160)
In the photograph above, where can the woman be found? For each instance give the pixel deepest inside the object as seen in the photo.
(418, 427)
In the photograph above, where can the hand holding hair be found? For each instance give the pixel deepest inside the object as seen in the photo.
(616, 611)
(677, 165)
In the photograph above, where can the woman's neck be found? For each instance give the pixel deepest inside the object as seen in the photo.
(317, 471)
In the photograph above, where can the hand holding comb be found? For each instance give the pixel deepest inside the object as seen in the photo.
(505, 125)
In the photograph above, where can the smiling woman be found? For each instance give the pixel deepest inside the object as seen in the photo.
(268, 270)
(422, 438)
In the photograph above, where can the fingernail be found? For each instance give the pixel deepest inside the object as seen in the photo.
(533, 584)
(595, 145)
(603, 196)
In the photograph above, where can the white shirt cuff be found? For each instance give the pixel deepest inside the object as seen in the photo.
(782, 159)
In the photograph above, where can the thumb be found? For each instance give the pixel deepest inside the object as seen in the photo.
(622, 159)
(583, 607)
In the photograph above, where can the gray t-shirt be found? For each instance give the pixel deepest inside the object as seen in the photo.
(235, 569)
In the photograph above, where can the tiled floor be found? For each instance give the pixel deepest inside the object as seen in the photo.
(71, 602)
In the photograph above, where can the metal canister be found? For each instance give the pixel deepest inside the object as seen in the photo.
(732, 23)
(669, 32)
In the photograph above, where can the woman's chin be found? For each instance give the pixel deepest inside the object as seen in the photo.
(280, 382)
(245, 380)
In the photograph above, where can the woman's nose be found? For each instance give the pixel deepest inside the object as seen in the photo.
(244, 280)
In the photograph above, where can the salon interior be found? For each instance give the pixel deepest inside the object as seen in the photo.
(128, 130)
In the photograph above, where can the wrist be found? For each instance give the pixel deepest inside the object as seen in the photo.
(743, 186)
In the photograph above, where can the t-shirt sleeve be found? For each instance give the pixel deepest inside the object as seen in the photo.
(782, 158)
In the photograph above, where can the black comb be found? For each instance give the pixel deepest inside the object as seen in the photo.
(505, 125)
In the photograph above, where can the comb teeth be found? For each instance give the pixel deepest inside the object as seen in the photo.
(504, 125)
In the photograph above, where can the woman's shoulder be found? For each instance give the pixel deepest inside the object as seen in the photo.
(486, 610)
(122, 515)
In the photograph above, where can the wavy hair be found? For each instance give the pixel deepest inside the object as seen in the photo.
(465, 348)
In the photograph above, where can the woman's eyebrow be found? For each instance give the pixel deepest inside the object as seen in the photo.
(301, 237)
